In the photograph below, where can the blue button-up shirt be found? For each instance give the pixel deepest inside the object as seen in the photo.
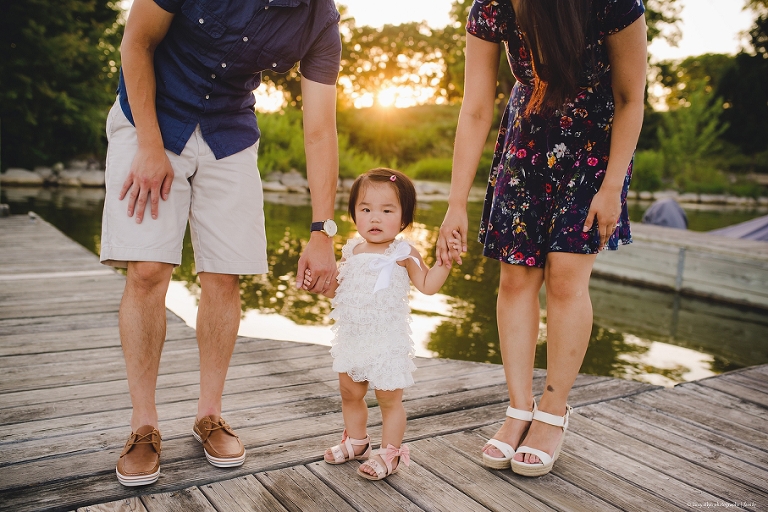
(211, 59)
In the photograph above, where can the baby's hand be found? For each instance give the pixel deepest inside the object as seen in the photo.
(454, 246)
(307, 279)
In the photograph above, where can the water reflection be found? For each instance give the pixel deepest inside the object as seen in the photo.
(638, 333)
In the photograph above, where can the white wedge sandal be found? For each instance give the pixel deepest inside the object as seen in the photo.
(546, 461)
(507, 450)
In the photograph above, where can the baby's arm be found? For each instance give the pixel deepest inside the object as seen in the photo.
(426, 280)
(330, 292)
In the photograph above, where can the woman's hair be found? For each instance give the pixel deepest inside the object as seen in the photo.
(406, 193)
(555, 31)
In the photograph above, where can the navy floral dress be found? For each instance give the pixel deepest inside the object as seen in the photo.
(547, 169)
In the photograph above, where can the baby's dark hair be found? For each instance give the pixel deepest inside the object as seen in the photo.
(406, 192)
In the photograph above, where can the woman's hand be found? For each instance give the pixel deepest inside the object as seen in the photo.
(605, 209)
(452, 238)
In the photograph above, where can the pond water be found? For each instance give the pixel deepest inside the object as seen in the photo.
(641, 334)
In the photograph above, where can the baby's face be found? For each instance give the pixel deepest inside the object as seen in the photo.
(378, 213)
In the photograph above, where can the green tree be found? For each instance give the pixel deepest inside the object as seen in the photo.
(743, 87)
(758, 34)
(58, 72)
(689, 138)
(683, 78)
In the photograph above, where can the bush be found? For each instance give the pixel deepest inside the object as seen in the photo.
(282, 142)
(702, 178)
(647, 169)
(746, 189)
(431, 168)
(353, 162)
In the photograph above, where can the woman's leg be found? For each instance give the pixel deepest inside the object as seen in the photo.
(354, 410)
(569, 325)
(517, 311)
(392, 422)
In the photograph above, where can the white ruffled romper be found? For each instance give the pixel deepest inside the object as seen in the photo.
(372, 339)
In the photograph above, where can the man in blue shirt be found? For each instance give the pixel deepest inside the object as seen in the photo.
(183, 141)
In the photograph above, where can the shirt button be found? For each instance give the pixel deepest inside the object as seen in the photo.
(245, 39)
(213, 75)
(201, 21)
(274, 64)
(223, 64)
(207, 96)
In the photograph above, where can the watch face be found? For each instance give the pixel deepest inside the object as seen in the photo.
(330, 227)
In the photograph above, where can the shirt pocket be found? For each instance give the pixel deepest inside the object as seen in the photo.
(203, 27)
(271, 60)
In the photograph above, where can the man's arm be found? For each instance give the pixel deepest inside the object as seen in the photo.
(151, 174)
(322, 150)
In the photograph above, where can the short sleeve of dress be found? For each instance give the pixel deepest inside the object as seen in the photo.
(489, 20)
(616, 15)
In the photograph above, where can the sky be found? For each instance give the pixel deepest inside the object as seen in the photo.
(708, 26)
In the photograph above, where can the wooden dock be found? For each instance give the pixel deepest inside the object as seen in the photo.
(64, 413)
(692, 263)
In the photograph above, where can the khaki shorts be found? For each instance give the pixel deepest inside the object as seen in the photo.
(222, 199)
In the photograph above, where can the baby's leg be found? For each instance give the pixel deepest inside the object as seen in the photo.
(353, 406)
(355, 412)
(392, 417)
(393, 423)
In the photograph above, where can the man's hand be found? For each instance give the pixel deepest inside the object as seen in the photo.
(319, 259)
(150, 177)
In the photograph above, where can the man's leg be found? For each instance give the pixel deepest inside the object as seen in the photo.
(141, 248)
(229, 239)
(218, 319)
(142, 333)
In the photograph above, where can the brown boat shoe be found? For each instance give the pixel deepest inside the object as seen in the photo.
(222, 447)
(139, 463)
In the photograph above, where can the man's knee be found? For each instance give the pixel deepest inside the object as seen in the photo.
(222, 282)
(149, 275)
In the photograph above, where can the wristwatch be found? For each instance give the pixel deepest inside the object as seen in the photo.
(326, 226)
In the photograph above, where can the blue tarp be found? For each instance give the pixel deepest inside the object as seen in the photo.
(755, 229)
(666, 212)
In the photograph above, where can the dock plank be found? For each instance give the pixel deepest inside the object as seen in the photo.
(550, 489)
(243, 494)
(628, 420)
(344, 481)
(471, 478)
(299, 489)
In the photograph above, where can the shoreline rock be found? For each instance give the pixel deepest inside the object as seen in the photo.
(85, 174)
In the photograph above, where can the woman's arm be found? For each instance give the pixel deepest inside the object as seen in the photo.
(475, 118)
(427, 280)
(627, 55)
(151, 174)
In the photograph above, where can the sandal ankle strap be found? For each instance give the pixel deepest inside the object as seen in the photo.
(356, 442)
(522, 415)
(551, 419)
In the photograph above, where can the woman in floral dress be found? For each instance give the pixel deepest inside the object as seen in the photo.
(557, 188)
